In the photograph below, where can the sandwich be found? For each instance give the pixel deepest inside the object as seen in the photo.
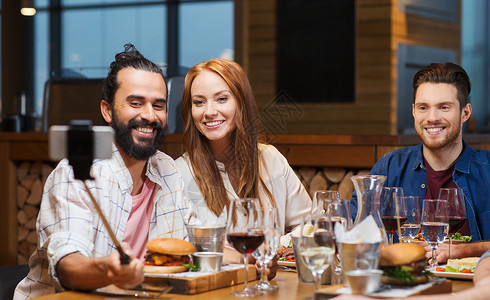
(403, 264)
(458, 265)
(168, 255)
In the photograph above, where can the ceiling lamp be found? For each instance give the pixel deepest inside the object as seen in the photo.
(27, 8)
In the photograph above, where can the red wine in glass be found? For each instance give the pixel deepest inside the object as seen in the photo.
(391, 223)
(245, 242)
(455, 224)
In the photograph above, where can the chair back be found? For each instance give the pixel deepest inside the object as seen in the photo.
(67, 99)
(174, 103)
(10, 276)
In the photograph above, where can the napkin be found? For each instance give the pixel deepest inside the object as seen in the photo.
(367, 231)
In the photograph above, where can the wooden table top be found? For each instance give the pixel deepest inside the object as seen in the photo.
(289, 288)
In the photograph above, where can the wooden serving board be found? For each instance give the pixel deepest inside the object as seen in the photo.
(197, 282)
(436, 287)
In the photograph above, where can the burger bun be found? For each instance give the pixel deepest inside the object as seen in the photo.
(164, 269)
(403, 264)
(401, 254)
(171, 246)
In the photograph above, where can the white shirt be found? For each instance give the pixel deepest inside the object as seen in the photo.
(68, 222)
(291, 197)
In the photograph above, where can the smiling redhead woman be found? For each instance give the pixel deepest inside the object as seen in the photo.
(225, 157)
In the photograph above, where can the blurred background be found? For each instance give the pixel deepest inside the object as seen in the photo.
(316, 66)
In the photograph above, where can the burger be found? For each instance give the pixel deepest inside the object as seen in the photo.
(168, 255)
(403, 264)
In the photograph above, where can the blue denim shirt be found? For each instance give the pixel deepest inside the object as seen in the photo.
(405, 168)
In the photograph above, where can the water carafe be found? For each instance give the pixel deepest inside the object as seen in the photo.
(368, 188)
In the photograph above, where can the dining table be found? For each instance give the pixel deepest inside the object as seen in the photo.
(286, 280)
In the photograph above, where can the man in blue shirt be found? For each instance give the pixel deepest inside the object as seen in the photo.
(440, 108)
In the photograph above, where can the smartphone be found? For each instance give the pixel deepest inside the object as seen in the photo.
(101, 144)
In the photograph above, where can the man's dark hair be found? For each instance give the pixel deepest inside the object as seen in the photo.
(445, 73)
(129, 58)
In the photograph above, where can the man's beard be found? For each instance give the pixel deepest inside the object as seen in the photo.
(147, 146)
(449, 140)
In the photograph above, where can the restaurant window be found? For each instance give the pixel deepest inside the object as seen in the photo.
(91, 32)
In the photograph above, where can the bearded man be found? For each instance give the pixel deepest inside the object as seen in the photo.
(443, 160)
(139, 190)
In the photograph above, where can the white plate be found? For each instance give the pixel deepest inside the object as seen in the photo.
(454, 275)
(445, 242)
(290, 264)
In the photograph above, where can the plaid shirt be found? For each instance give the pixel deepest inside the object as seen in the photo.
(68, 222)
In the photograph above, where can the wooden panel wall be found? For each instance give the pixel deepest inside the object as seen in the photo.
(380, 27)
(416, 30)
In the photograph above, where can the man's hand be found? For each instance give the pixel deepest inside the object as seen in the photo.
(442, 253)
(125, 276)
(460, 250)
(76, 271)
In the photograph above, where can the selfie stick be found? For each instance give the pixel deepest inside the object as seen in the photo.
(80, 134)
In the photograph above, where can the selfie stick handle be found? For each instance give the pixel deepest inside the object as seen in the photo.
(80, 158)
(125, 259)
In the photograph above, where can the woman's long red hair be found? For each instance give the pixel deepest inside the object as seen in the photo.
(243, 150)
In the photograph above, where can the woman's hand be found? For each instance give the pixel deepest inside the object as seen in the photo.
(270, 268)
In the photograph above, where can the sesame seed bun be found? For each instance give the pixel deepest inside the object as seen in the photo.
(171, 246)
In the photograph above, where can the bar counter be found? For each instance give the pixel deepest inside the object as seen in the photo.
(289, 288)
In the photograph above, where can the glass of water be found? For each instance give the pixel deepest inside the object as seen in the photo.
(435, 224)
(266, 252)
(412, 226)
(317, 248)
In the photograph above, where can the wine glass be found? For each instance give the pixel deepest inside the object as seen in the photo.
(392, 210)
(456, 211)
(316, 249)
(346, 203)
(266, 252)
(326, 195)
(338, 214)
(412, 226)
(434, 224)
(244, 232)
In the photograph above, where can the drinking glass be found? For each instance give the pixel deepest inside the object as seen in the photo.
(316, 249)
(392, 210)
(325, 195)
(244, 232)
(346, 203)
(412, 227)
(337, 211)
(456, 211)
(434, 223)
(266, 252)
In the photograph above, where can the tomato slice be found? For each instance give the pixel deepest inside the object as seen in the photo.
(466, 271)
(440, 269)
